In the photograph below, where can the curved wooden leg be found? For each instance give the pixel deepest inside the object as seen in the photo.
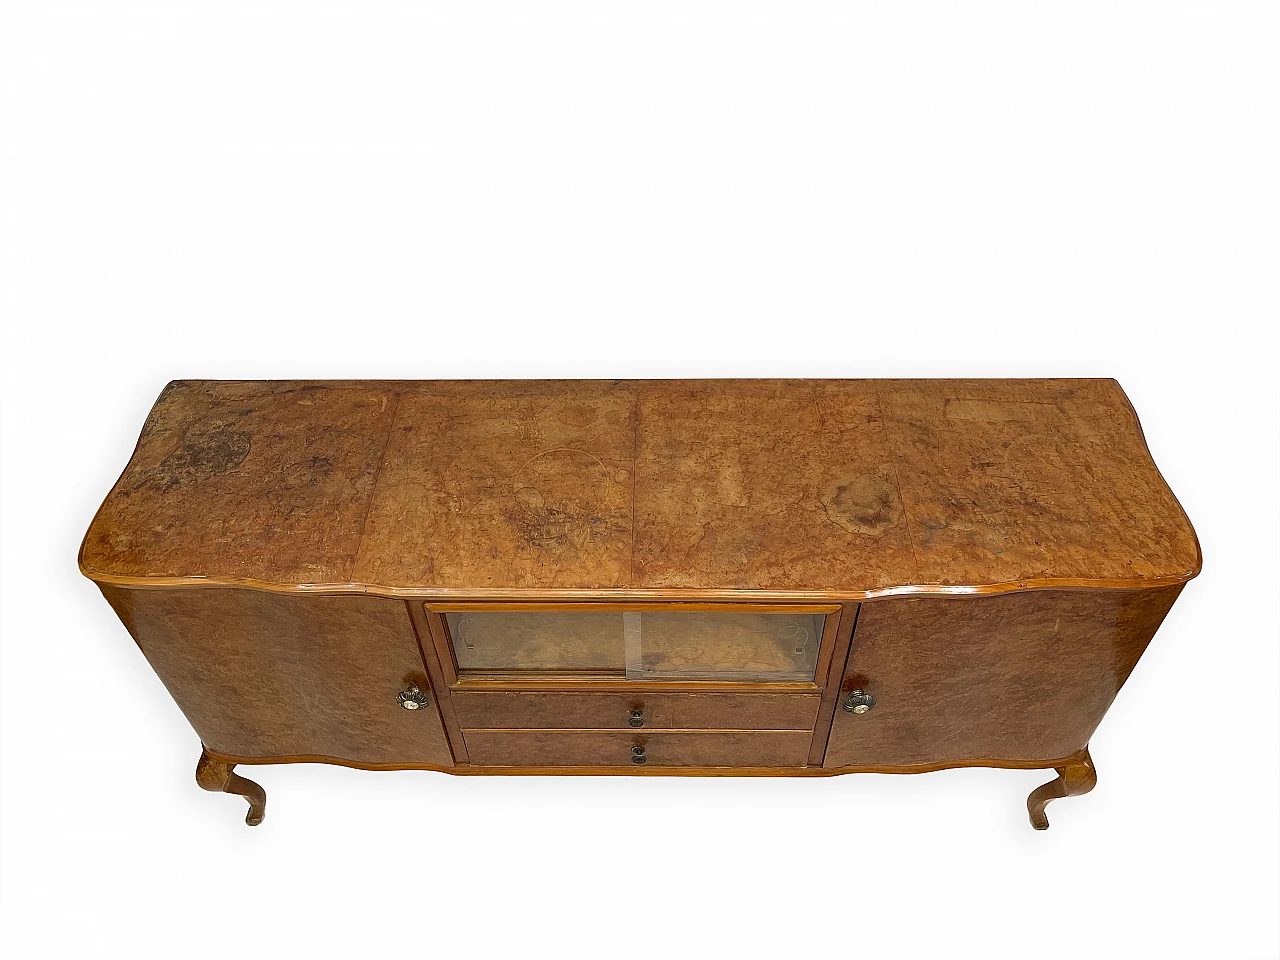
(215, 775)
(1077, 777)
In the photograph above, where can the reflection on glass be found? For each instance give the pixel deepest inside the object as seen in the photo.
(726, 646)
(638, 644)
(573, 641)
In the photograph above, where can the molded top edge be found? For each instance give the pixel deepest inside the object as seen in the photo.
(662, 489)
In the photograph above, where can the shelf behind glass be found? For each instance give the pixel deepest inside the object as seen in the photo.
(661, 644)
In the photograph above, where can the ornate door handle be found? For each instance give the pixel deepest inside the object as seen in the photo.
(412, 698)
(859, 702)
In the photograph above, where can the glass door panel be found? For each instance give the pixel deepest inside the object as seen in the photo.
(678, 645)
(519, 642)
(660, 643)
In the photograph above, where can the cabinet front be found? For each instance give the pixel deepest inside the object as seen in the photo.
(266, 675)
(1018, 677)
(635, 685)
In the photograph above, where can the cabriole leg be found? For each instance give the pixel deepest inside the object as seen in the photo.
(215, 775)
(1075, 778)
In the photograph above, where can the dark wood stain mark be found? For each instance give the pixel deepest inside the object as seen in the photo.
(205, 453)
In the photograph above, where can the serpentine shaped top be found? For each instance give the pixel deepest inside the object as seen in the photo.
(837, 489)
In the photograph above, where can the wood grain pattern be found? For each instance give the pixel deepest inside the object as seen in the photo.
(629, 769)
(244, 480)
(769, 484)
(440, 680)
(260, 674)
(1011, 480)
(561, 748)
(825, 490)
(999, 554)
(1074, 778)
(1021, 677)
(527, 484)
(217, 777)
(830, 679)
(736, 711)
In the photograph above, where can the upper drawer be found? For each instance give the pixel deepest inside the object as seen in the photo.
(658, 711)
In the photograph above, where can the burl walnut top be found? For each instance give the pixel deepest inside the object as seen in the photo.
(824, 488)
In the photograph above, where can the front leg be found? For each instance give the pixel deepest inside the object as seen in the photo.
(215, 775)
(1075, 778)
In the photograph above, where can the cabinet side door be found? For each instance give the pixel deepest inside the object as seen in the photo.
(1017, 677)
(266, 675)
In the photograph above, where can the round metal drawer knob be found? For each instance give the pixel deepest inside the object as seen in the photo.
(636, 719)
(858, 702)
(637, 754)
(412, 698)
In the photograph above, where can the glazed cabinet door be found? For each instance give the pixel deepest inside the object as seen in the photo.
(267, 675)
(754, 643)
(1023, 676)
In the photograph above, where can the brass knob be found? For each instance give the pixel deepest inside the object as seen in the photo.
(859, 702)
(412, 698)
(637, 754)
(636, 719)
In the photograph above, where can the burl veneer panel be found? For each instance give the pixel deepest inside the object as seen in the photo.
(562, 748)
(262, 675)
(1023, 676)
(263, 481)
(1007, 480)
(826, 487)
(513, 484)
(766, 484)
(687, 711)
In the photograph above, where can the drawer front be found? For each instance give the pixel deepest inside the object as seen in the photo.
(659, 711)
(564, 748)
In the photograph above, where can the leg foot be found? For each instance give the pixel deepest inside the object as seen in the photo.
(1075, 778)
(215, 775)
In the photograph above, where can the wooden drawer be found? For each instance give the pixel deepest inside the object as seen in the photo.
(593, 748)
(659, 711)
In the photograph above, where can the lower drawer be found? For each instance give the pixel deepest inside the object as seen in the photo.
(568, 748)
(609, 711)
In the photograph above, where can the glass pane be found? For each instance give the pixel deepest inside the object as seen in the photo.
(638, 644)
(726, 646)
(507, 641)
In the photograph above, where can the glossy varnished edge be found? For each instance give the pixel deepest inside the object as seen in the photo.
(1142, 435)
(624, 594)
(673, 771)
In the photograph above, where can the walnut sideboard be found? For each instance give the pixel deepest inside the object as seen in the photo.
(702, 577)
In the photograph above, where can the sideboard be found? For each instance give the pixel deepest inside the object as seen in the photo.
(700, 577)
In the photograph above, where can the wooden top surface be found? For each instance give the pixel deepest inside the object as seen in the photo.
(835, 489)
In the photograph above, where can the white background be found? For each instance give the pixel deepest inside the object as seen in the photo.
(271, 190)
